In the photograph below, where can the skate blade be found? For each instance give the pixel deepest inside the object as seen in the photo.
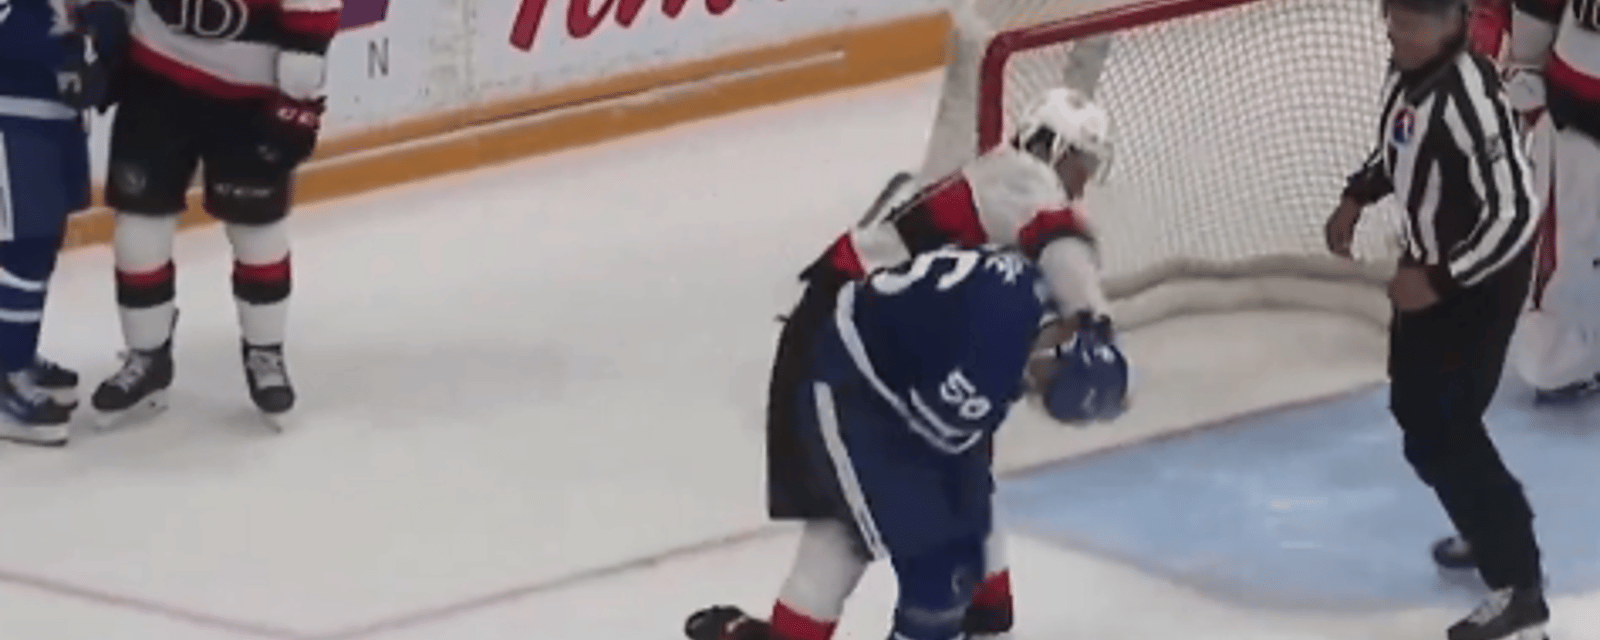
(67, 397)
(153, 405)
(1536, 632)
(277, 422)
(39, 436)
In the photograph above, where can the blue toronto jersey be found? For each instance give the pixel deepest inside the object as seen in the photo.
(944, 339)
(33, 47)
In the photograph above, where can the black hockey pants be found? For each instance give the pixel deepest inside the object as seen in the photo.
(1444, 366)
(793, 492)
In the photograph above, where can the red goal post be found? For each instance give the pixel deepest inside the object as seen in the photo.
(1235, 122)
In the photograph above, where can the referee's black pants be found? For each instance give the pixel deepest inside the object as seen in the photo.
(1444, 366)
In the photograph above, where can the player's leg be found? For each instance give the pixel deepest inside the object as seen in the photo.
(153, 159)
(792, 490)
(43, 178)
(991, 613)
(827, 566)
(832, 554)
(936, 588)
(251, 195)
(1558, 342)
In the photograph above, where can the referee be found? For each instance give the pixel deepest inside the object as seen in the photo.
(1448, 150)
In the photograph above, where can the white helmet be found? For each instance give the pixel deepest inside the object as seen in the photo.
(1076, 124)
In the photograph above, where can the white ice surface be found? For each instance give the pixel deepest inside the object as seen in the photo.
(517, 380)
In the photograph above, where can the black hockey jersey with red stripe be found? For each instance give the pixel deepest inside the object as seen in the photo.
(229, 49)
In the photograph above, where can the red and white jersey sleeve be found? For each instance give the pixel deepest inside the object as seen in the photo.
(1563, 36)
(235, 49)
(1005, 197)
(1488, 26)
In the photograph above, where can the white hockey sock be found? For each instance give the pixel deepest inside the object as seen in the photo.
(826, 570)
(995, 591)
(146, 278)
(261, 281)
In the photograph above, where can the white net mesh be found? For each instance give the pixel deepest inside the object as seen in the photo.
(1235, 128)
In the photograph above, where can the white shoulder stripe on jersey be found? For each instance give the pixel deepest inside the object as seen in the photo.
(35, 108)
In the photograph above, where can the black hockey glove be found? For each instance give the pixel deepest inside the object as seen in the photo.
(92, 55)
(289, 130)
(82, 77)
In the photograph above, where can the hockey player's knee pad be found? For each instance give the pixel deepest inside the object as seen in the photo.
(130, 193)
(936, 589)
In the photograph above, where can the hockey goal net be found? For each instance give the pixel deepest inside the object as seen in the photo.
(1235, 122)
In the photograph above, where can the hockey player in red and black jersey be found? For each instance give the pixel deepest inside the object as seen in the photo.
(236, 87)
(1020, 195)
(1553, 80)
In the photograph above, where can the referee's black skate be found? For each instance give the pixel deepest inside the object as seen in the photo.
(1571, 394)
(725, 622)
(138, 390)
(1508, 614)
(1453, 553)
(267, 375)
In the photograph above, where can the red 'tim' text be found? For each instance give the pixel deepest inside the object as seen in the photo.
(585, 16)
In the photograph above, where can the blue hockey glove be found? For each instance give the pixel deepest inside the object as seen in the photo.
(1091, 378)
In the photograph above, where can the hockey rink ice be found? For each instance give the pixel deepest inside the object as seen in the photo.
(531, 404)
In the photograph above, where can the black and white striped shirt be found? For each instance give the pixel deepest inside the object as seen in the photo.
(1449, 150)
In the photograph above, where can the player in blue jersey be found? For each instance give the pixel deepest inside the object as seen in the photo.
(906, 386)
(54, 55)
(889, 385)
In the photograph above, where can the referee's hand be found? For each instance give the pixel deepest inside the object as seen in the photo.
(1410, 290)
(1340, 230)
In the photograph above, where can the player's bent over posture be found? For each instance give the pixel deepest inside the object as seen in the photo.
(1553, 80)
(53, 60)
(240, 93)
(1449, 151)
(886, 391)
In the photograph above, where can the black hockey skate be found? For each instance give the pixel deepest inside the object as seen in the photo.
(61, 382)
(268, 378)
(32, 415)
(1570, 394)
(984, 623)
(1508, 614)
(137, 391)
(725, 622)
(1453, 553)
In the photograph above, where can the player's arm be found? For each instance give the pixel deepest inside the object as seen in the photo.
(1060, 241)
(1533, 33)
(304, 31)
(1371, 182)
(1506, 220)
(942, 213)
(1533, 30)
